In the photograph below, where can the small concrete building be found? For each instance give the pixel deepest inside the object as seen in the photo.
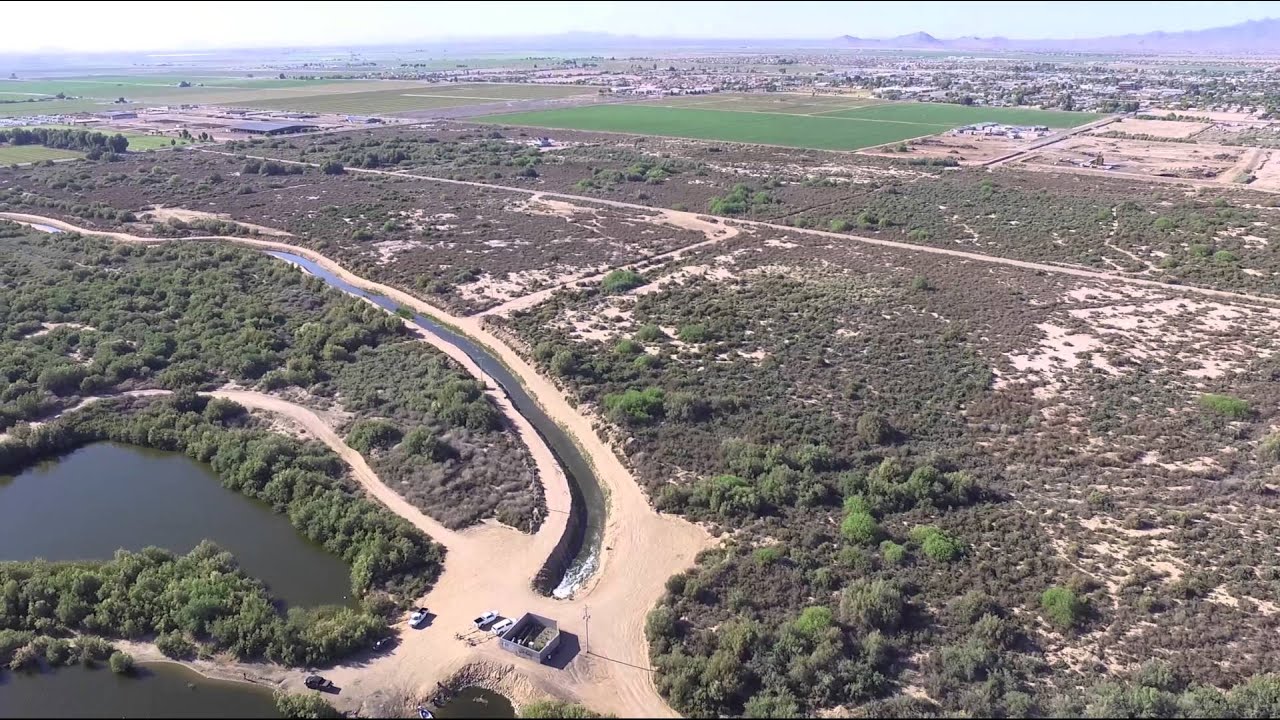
(533, 637)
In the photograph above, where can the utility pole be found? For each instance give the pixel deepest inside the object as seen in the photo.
(586, 622)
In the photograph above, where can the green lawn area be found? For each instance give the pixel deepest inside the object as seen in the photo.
(956, 115)
(10, 154)
(800, 131)
(841, 129)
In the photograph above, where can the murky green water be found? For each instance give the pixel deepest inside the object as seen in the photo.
(86, 505)
(474, 702)
(161, 690)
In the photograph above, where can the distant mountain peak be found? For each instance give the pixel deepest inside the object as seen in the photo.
(1250, 37)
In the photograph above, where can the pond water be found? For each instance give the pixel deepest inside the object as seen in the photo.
(105, 496)
(588, 498)
(160, 690)
(474, 702)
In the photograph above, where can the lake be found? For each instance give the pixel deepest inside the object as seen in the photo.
(105, 496)
(474, 702)
(160, 690)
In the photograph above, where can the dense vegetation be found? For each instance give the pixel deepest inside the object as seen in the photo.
(96, 144)
(202, 598)
(119, 317)
(891, 517)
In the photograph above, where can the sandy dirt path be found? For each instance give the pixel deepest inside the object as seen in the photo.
(641, 549)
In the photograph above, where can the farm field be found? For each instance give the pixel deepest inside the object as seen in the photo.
(59, 107)
(800, 131)
(791, 103)
(10, 154)
(831, 128)
(411, 98)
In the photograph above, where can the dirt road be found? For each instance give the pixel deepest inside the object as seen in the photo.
(490, 567)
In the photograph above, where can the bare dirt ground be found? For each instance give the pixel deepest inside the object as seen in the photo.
(1266, 171)
(1179, 129)
(160, 213)
(491, 567)
(966, 149)
(1145, 158)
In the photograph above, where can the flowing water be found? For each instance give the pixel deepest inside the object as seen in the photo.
(588, 498)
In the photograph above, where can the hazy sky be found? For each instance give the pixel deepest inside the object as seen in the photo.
(92, 26)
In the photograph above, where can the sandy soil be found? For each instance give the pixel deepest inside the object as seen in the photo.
(492, 566)
(1143, 157)
(163, 214)
(967, 149)
(1158, 128)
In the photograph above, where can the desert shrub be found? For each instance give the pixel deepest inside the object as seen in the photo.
(557, 709)
(174, 645)
(620, 281)
(1063, 608)
(311, 706)
(635, 407)
(872, 604)
(860, 527)
(650, 334)
(368, 435)
(936, 544)
(693, 333)
(1225, 406)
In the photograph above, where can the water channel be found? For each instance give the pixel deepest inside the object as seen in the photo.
(589, 511)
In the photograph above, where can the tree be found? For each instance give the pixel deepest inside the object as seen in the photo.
(333, 167)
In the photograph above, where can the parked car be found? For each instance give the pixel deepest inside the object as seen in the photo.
(315, 682)
(417, 617)
(485, 620)
(385, 643)
(502, 627)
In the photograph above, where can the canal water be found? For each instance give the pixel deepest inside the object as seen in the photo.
(105, 496)
(159, 690)
(588, 530)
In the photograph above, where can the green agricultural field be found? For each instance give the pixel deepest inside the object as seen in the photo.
(800, 131)
(413, 98)
(10, 154)
(58, 107)
(956, 115)
(797, 104)
(826, 129)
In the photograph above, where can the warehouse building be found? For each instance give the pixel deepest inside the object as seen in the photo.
(263, 127)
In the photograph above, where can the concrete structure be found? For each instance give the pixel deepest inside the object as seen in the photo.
(119, 115)
(262, 127)
(533, 637)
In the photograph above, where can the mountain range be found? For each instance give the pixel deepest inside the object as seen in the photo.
(1252, 37)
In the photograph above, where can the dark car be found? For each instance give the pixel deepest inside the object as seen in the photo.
(315, 682)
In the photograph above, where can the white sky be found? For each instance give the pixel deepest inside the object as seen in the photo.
(124, 25)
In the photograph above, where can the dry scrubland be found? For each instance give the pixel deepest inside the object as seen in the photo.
(939, 483)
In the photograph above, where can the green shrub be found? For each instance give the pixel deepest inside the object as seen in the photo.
(366, 435)
(620, 281)
(650, 334)
(892, 552)
(557, 709)
(174, 645)
(1225, 257)
(813, 620)
(311, 706)
(860, 528)
(840, 225)
(1269, 449)
(936, 544)
(1062, 607)
(635, 407)
(872, 604)
(693, 333)
(1226, 406)
(121, 663)
(626, 346)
